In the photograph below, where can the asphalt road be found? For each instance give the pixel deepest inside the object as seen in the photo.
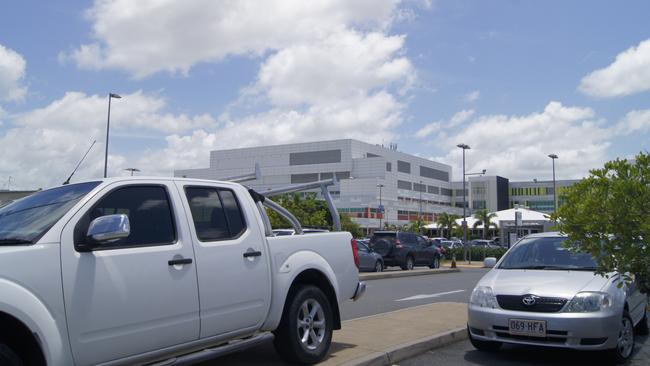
(381, 296)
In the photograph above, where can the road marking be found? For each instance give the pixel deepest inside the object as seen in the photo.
(428, 296)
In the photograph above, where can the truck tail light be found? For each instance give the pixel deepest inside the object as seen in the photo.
(398, 244)
(355, 252)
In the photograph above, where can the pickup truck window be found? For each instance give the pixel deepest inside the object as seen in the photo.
(149, 213)
(216, 213)
(26, 220)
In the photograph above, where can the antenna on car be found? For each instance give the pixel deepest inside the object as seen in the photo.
(67, 181)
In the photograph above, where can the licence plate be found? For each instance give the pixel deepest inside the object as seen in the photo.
(533, 328)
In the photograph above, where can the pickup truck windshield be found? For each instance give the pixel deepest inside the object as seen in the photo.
(24, 221)
(546, 253)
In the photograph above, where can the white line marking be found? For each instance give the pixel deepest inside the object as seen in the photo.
(427, 296)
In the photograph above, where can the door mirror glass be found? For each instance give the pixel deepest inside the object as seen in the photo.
(110, 227)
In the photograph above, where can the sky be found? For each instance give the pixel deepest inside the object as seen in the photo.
(515, 80)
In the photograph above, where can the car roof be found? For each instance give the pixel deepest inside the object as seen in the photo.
(550, 234)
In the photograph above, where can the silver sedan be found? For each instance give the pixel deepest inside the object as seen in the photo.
(541, 294)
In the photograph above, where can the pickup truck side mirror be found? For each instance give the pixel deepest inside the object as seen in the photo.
(110, 227)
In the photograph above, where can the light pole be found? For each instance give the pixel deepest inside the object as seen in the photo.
(553, 157)
(381, 213)
(465, 147)
(108, 125)
(132, 170)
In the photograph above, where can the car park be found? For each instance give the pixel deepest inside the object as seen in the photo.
(405, 249)
(481, 243)
(167, 271)
(542, 294)
(369, 261)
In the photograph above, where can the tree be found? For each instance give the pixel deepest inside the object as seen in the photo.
(484, 218)
(447, 222)
(416, 226)
(607, 214)
(311, 212)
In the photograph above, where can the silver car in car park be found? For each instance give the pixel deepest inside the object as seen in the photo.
(542, 294)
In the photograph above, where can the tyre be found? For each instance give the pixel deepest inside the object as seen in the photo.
(379, 267)
(304, 335)
(435, 263)
(487, 346)
(8, 357)
(408, 264)
(625, 344)
(642, 328)
(383, 247)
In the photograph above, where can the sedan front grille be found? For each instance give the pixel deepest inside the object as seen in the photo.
(540, 305)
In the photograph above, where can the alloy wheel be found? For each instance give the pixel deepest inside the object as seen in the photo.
(311, 324)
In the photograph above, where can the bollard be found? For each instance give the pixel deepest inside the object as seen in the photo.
(453, 261)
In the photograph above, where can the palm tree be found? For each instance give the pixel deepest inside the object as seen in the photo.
(416, 226)
(447, 221)
(484, 218)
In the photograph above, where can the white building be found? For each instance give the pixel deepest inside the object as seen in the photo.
(409, 185)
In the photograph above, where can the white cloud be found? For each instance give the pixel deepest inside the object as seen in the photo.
(637, 121)
(147, 37)
(456, 120)
(628, 74)
(12, 73)
(517, 146)
(473, 96)
(365, 118)
(40, 148)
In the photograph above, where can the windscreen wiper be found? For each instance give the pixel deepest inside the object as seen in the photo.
(9, 241)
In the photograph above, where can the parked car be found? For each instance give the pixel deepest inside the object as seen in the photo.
(481, 243)
(451, 244)
(369, 260)
(138, 270)
(287, 232)
(405, 249)
(542, 294)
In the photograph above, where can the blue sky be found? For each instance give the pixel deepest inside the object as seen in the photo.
(510, 78)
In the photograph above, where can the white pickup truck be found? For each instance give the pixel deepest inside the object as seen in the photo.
(163, 271)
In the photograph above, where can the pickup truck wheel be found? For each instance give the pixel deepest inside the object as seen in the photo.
(409, 263)
(305, 332)
(435, 264)
(8, 357)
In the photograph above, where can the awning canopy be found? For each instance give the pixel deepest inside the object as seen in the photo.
(504, 215)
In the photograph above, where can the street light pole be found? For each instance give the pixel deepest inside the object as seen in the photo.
(108, 125)
(465, 147)
(420, 211)
(553, 157)
(132, 170)
(381, 213)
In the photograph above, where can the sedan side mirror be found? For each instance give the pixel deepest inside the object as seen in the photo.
(489, 262)
(110, 227)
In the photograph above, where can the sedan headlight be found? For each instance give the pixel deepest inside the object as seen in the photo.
(482, 296)
(586, 302)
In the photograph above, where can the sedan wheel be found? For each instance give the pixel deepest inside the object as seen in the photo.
(625, 344)
(379, 267)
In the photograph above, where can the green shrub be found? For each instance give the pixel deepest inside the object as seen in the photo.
(478, 254)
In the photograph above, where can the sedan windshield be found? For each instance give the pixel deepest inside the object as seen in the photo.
(546, 253)
(24, 221)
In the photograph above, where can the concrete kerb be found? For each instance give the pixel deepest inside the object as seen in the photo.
(396, 274)
(410, 349)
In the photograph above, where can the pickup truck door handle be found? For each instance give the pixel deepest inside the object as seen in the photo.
(256, 253)
(177, 261)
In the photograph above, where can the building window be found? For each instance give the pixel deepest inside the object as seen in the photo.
(445, 192)
(401, 184)
(433, 189)
(324, 176)
(304, 178)
(434, 173)
(371, 155)
(478, 205)
(459, 192)
(388, 167)
(403, 167)
(419, 187)
(315, 157)
(342, 175)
